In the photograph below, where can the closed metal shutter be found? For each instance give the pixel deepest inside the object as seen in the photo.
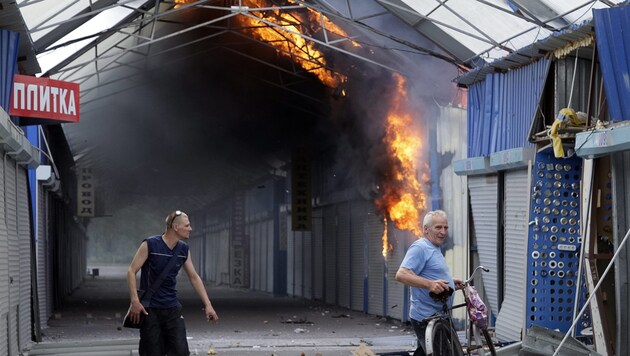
(217, 260)
(396, 296)
(330, 255)
(24, 238)
(358, 250)
(10, 177)
(4, 269)
(307, 264)
(484, 203)
(621, 207)
(222, 257)
(210, 253)
(511, 318)
(255, 256)
(299, 264)
(268, 232)
(343, 257)
(318, 255)
(376, 262)
(42, 254)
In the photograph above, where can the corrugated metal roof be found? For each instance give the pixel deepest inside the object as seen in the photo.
(566, 39)
(11, 19)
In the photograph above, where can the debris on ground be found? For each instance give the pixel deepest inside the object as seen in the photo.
(363, 350)
(212, 352)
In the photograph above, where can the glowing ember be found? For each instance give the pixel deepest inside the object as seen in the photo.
(402, 199)
(286, 36)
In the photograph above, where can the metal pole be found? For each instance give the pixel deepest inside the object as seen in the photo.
(592, 294)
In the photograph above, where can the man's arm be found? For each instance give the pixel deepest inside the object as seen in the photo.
(408, 277)
(197, 284)
(138, 260)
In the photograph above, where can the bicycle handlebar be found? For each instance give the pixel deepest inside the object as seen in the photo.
(475, 272)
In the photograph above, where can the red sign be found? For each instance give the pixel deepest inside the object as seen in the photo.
(45, 98)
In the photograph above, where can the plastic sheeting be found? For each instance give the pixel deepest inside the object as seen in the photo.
(9, 42)
(613, 47)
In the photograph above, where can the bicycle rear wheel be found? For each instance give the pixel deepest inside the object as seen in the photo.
(441, 339)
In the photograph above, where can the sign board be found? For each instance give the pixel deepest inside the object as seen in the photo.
(85, 193)
(301, 195)
(44, 98)
(239, 258)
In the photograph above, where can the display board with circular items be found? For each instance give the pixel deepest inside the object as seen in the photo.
(554, 242)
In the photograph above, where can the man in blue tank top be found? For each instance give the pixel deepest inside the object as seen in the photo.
(424, 269)
(163, 331)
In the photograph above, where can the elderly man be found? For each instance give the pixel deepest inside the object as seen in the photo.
(424, 270)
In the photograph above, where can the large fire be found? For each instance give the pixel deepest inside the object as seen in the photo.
(284, 30)
(402, 198)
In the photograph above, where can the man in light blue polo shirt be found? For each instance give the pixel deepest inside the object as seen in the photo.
(424, 269)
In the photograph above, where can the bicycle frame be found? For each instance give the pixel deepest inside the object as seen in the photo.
(442, 326)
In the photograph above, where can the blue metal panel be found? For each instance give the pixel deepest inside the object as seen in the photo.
(9, 42)
(554, 243)
(501, 109)
(613, 48)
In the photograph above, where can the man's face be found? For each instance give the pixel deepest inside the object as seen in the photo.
(182, 226)
(438, 231)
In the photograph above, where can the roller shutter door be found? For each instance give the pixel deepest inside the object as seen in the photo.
(343, 257)
(43, 270)
(256, 258)
(318, 256)
(484, 204)
(330, 254)
(376, 262)
(11, 212)
(4, 269)
(24, 238)
(396, 296)
(511, 318)
(268, 233)
(293, 274)
(358, 250)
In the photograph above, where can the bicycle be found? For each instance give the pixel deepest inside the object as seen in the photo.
(440, 336)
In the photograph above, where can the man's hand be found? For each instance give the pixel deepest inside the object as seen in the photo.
(134, 312)
(438, 286)
(459, 284)
(210, 313)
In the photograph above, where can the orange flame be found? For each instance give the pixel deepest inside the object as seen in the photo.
(286, 37)
(402, 199)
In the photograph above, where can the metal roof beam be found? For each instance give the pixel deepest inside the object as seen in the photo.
(65, 28)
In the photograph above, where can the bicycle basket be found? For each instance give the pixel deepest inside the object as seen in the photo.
(477, 310)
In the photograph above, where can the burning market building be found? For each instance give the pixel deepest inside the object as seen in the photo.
(307, 139)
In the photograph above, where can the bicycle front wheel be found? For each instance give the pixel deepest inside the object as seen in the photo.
(441, 339)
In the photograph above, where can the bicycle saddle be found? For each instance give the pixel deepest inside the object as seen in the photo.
(442, 297)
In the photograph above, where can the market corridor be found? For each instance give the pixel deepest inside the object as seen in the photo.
(251, 323)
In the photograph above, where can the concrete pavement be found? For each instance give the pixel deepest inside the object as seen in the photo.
(250, 323)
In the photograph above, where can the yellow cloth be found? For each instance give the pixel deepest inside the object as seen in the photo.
(566, 117)
(556, 141)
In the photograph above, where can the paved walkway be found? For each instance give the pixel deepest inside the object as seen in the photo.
(251, 323)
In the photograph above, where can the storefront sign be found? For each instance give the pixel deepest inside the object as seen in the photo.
(301, 208)
(239, 259)
(45, 98)
(85, 193)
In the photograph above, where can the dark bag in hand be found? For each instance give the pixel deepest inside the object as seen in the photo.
(130, 324)
(127, 323)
